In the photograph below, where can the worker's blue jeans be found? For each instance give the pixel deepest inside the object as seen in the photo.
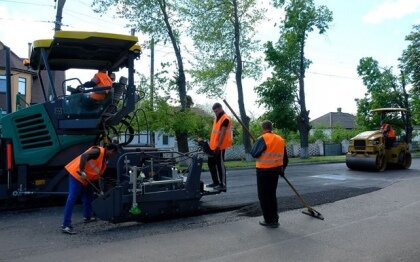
(75, 188)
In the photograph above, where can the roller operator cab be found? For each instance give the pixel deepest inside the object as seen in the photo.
(372, 150)
(37, 141)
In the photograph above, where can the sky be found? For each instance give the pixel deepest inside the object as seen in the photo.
(374, 28)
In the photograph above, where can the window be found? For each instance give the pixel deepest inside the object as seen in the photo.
(2, 84)
(22, 86)
(165, 139)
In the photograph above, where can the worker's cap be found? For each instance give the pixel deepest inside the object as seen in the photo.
(216, 105)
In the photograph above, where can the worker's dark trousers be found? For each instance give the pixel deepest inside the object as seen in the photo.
(75, 189)
(267, 180)
(217, 167)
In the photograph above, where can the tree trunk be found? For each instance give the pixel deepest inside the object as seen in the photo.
(303, 121)
(407, 116)
(238, 75)
(182, 137)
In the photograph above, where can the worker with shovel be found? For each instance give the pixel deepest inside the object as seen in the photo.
(84, 169)
(271, 161)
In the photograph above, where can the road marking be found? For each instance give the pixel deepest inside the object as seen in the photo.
(332, 177)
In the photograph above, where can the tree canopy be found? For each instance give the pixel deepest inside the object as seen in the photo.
(287, 57)
(161, 20)
(410, 67)
(384, 89)
(222, 33)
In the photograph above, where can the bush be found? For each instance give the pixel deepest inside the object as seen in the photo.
(339, 134)
(318, 134)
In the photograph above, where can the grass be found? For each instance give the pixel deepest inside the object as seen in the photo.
(294, 161)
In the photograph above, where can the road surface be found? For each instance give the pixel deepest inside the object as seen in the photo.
(30, 234)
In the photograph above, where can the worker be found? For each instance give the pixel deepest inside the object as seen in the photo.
(389, 134)
(271, 161)
(220, 140)
(100, 79)
(85, 168)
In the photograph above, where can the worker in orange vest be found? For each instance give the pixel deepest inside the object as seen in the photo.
(100, 79)
(220, 140)
(389, 134)
(271, 161)
(87, 167)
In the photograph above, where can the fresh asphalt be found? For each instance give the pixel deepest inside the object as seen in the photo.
(380, 224)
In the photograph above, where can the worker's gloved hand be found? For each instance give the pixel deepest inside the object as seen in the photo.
(83, 174)
(282, 173)
(80, 88)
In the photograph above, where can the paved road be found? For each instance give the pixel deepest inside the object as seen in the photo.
(33, 235)
(318, 184)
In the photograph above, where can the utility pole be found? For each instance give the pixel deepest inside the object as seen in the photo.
(152, 71)
(152, 82)
(59, 14)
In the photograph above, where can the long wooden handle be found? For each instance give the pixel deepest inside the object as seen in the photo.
(239, 120)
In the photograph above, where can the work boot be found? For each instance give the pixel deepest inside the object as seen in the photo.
(68, 230)
(220, 187)
(272, 225)
(89, 219)
(212, 185)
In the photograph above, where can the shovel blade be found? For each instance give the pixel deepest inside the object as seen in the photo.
(313, 213)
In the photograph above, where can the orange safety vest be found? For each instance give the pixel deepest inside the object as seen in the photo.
(389, 130)
(273, 154)
(104, 80)
(94, 168)
(216, 132)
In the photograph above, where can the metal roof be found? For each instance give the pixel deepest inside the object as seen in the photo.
(84, 50)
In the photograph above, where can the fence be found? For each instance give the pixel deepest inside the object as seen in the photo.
(319, 148)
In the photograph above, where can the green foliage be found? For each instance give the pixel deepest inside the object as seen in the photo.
(212, 28)
(170, 119)
(145, 15)
(339, 134)
(283, 94)
(384, 89)
(318, 134)
(290, 136)
(278, 97)
(410, 66)
(163, 21)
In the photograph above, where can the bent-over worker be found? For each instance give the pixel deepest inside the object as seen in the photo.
(88, 166)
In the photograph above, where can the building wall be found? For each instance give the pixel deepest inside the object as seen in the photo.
(15, 87)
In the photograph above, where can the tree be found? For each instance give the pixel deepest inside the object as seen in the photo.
(289, 64)
(410, 69)
(164, 117)
(384, 89)
(161, 20)
(222, 32)
(277, 94)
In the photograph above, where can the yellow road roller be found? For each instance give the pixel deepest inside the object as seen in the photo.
(372, 150)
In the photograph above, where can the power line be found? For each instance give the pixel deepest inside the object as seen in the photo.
(86, 16)
(26, 3)
(339, 76)
(26, 20)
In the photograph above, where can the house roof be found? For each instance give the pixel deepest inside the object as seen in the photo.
(335, 119)
(16, 63)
